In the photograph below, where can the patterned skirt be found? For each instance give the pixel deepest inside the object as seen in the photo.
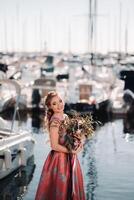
(61, 178)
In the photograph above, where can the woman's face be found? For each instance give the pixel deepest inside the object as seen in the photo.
(57, 104)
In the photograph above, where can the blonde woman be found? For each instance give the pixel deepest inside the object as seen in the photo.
(61, 177)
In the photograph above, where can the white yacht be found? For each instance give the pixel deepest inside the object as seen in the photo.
(16, 147)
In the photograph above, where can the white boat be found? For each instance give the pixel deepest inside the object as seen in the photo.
(8, 98)
(16, 147)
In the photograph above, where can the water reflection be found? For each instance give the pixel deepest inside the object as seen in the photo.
(15, 185)
(37, 119)
(128, 124)
(129, 137)
(107, 163)
(20, 116)
(90, 171)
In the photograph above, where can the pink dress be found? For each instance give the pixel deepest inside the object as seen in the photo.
(61, 177)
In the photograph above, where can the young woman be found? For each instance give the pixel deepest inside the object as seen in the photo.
(61, 177)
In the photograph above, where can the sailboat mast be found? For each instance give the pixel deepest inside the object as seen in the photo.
(89, 26)
(120, 22)
(126, 35)
(69, 37)
(40, 29)
(5, 34)
(95, 24)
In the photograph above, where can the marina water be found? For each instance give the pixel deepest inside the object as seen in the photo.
(107, 161)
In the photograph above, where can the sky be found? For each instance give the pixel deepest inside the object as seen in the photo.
(64, 25)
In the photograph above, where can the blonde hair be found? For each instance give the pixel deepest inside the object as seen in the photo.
(48, 100)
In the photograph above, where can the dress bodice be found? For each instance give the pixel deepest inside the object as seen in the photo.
(59, 123)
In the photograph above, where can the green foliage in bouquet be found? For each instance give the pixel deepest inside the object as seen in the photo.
(77, 128)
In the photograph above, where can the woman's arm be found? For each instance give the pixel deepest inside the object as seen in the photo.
(54, 140)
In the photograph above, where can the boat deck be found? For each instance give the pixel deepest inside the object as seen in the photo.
(5, 133)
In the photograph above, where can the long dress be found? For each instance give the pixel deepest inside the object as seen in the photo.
(61, 177)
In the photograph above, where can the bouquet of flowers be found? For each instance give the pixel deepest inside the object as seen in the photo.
(77, 128)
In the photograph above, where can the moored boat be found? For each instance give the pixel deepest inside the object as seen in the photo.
(16, 147)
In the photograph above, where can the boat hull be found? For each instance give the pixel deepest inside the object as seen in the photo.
(15, 150)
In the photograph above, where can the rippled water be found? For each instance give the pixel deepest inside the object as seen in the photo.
(107, 162)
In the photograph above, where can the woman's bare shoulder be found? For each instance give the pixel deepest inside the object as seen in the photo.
(55, 121)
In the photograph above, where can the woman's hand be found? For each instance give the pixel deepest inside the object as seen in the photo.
(78, 149)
